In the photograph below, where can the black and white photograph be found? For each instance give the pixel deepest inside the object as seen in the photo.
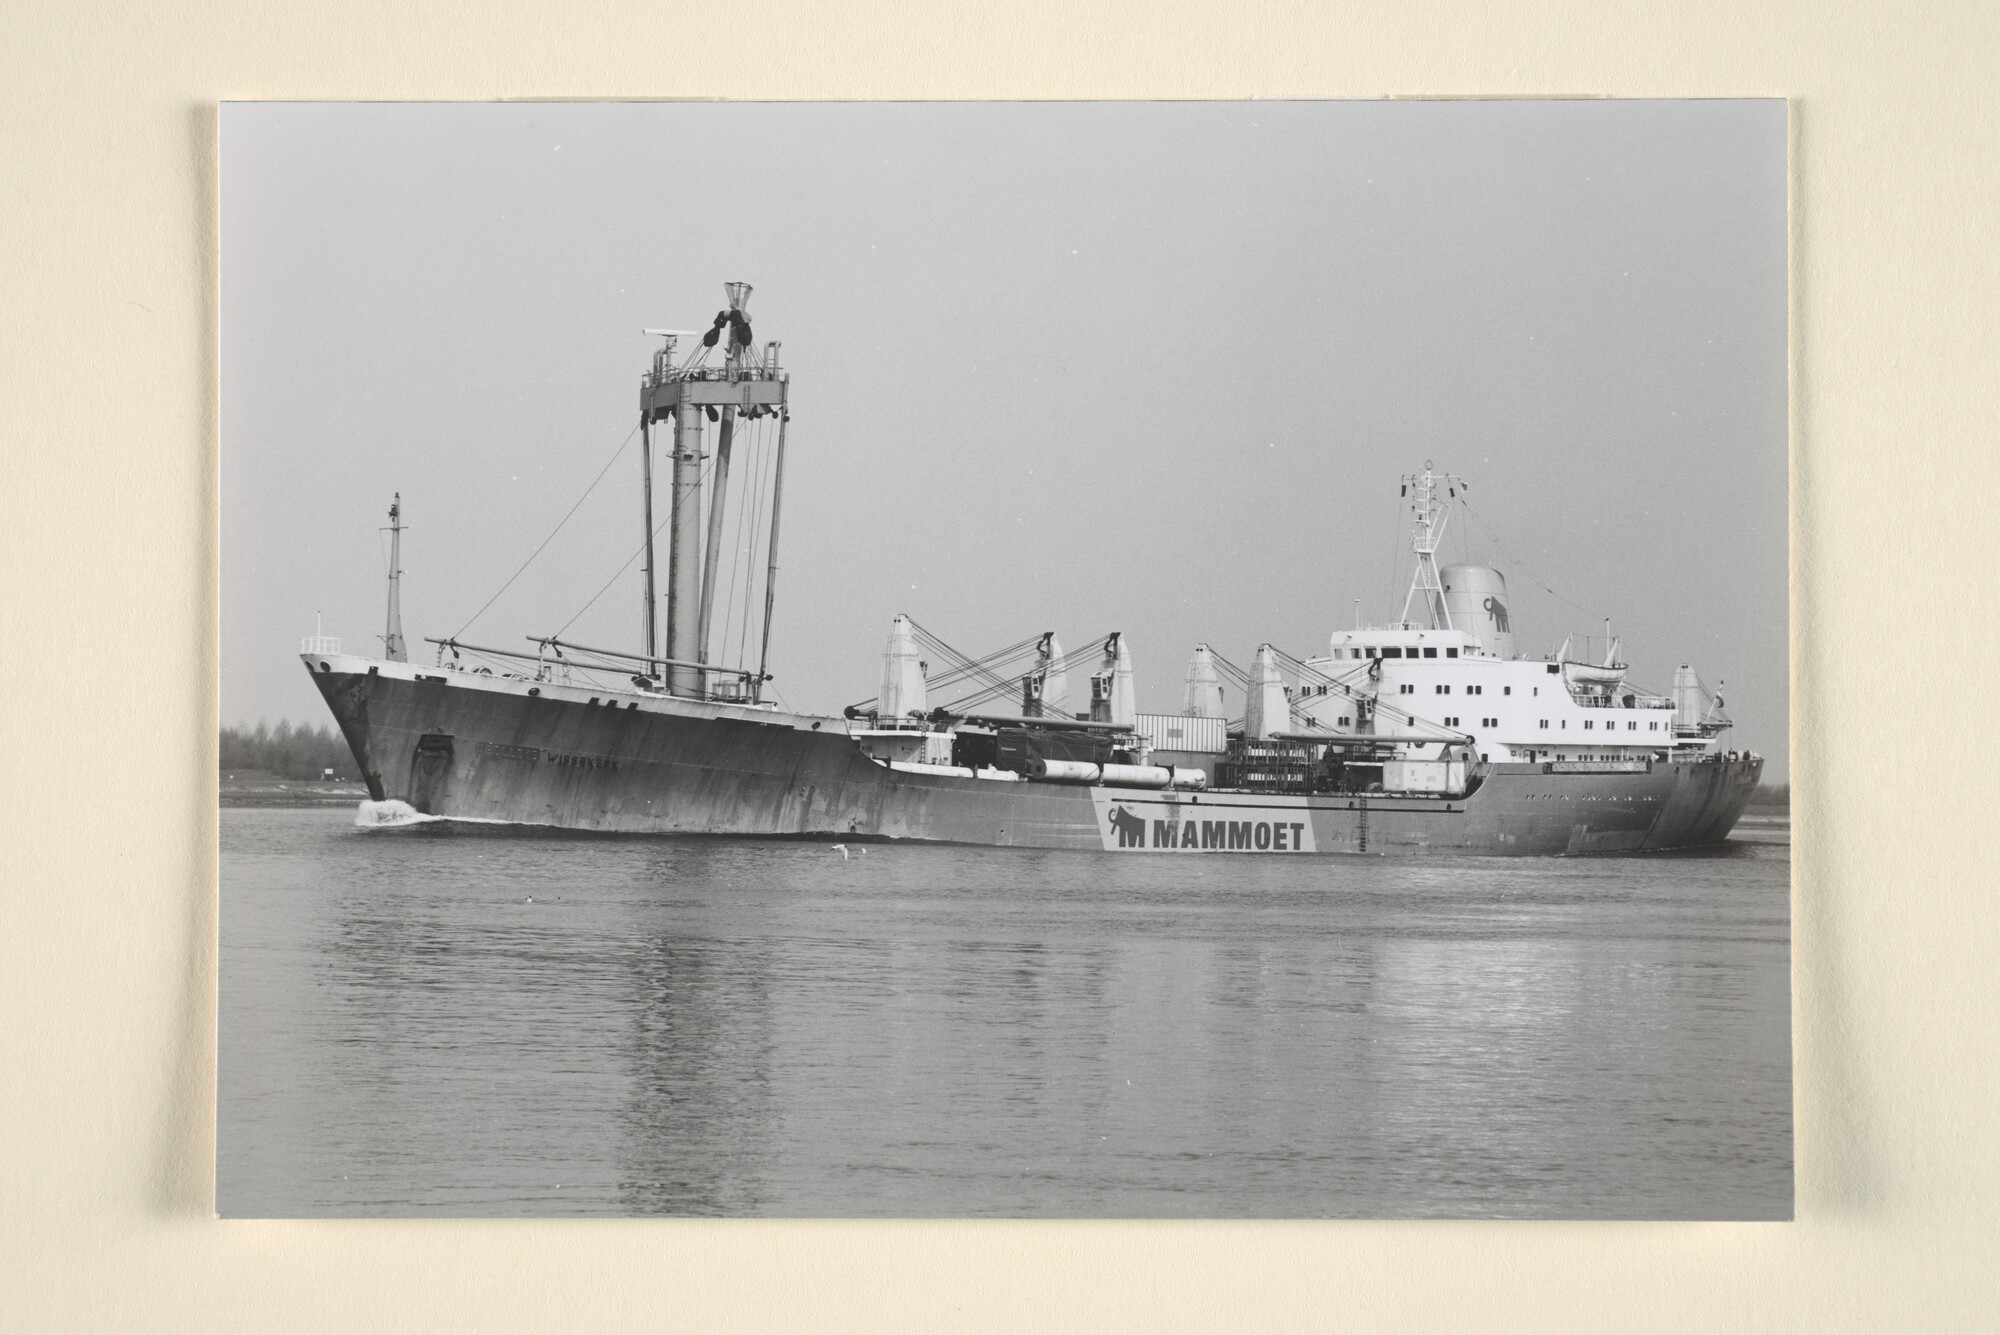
(1005, 660)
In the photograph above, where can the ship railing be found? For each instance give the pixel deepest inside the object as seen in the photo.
(678, 375)
(552, 664)
(320, 644)
(1621, 700)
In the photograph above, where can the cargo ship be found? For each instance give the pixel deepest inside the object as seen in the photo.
(1427, 735)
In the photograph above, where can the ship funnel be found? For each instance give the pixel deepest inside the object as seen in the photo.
(902, 694)
(1268, 712)
(1204, 686)
(1475, 598)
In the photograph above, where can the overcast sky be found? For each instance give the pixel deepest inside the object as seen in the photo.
(1151, 367)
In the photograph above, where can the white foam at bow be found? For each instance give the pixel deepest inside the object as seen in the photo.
(386, 815)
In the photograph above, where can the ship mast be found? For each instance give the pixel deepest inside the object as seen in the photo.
(663, 365)
(646, 484)
(685, 394)
(1432, 513)
(392, 639)
(738, 320)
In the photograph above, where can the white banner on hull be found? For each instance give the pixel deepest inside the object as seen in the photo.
(1131, 821)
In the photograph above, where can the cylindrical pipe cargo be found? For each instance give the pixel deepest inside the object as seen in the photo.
(1136, 776)
(1116, 776)
(1064, 771)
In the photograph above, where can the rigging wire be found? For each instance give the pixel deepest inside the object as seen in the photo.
(1339, 681)
(508, 664)
(969, 667)
(1004, 686)
(964, 668)
(1303, 671)
(736, 544)
(636, 554)
(552, 534)
(1514, 557)
(761, 453)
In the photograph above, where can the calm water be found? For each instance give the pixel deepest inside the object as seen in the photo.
(448, 1022)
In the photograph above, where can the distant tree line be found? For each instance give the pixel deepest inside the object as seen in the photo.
(1772, 795)
(287, 751)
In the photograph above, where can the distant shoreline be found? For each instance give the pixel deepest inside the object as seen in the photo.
(266, 791)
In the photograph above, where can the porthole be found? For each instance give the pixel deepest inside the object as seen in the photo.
(324, 668)
(534, 690)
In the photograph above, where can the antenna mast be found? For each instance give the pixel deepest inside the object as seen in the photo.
(1431, 512)
(392, 639)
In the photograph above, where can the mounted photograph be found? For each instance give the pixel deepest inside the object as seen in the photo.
(1038, 660)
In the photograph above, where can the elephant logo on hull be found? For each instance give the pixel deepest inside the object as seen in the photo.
(1131, 829)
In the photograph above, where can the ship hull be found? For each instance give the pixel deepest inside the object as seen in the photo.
(480, 747)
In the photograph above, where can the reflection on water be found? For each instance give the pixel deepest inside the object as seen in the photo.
(494, 1022)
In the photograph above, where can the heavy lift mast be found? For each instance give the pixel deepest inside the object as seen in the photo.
(747, 385)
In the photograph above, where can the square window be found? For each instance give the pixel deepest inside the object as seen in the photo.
(1430, 653)
(1506, 690)
(1451, 653)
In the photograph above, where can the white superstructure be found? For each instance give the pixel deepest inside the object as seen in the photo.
(1450, 668)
